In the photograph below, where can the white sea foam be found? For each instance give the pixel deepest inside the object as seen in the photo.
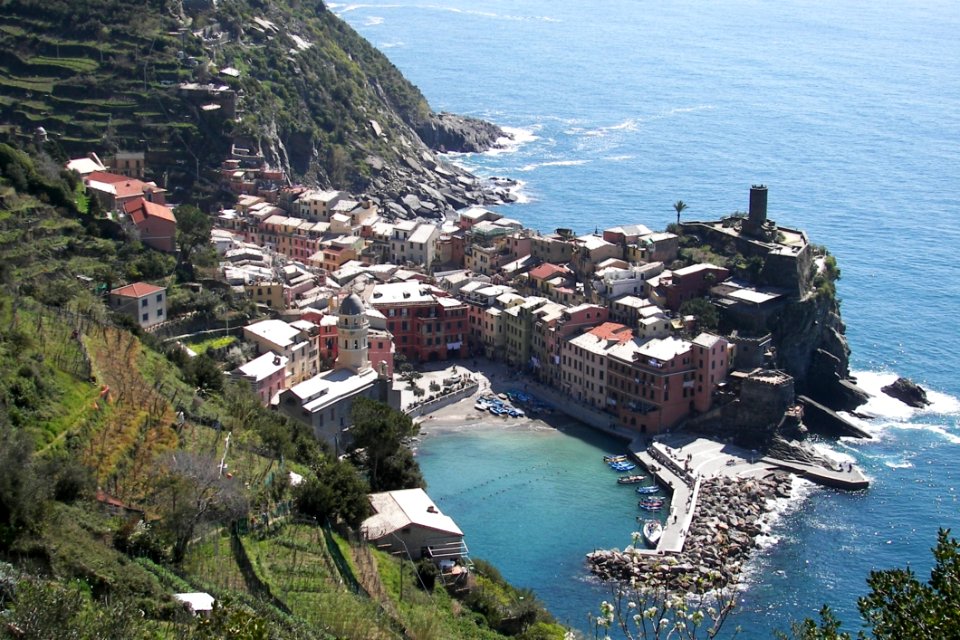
(391, 45)
(553, 163)
(373, 21)
(898, 464)
(892, 414)
(800, 489)
(770, 534)
(634, 123)
(620, 158)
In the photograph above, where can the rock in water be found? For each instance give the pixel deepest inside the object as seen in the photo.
(908, 392)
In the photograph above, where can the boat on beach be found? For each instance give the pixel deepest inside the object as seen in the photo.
(634, 479)
(652, 530)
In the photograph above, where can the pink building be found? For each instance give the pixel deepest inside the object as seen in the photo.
(155, 222)
(266, 375)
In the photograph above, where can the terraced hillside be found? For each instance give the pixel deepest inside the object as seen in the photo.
(288, 81)
(102, 83)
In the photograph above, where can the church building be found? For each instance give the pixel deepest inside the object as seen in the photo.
(325, 401)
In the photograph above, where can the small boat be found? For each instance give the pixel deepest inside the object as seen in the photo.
(612, 458)
(652, 489)
(650, 507)
(496, 410)
(631, 479)
(652, 530)
(650, 503)
(623, 466)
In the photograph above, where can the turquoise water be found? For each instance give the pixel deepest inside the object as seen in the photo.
(848, 111)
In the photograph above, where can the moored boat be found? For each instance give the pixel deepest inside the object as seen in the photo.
(652, 489)
(652, 530)
(615, 458)
(623, 466)
(650, 507)
(634, 479)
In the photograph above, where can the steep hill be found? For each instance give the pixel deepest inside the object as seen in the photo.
(185, 81)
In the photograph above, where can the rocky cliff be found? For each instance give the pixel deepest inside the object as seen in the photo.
(811, 347)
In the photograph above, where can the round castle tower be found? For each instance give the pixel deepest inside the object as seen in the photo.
(352, 335)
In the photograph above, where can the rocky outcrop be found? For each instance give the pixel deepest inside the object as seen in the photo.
(811, 347)
(448, 132)
(908, 392)
(725, 526)
(426, 186)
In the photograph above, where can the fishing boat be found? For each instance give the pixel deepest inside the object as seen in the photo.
(634, 479)
(612, 458)
(623, 466)
(650, 507)
(652, 489)
(652, 530)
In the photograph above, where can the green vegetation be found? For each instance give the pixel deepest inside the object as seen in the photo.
(194, 472)
(101, 74)
(216, 342)
(899, 605)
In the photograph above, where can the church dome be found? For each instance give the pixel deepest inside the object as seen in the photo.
(352, 305)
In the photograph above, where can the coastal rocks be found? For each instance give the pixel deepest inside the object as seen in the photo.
(726, 523)
(908, 392)
(449, 132)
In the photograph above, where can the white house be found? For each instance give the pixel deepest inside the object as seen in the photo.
(145, 303)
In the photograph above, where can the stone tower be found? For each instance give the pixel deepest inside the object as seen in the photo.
(352, 335)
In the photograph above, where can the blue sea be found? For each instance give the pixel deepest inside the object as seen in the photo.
(849, 111)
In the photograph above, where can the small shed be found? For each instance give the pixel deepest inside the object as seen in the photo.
(198, 603)
(408, 523)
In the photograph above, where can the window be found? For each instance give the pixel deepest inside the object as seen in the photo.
(159, 297)
(146, 317)
(143, 303)
(159, 313)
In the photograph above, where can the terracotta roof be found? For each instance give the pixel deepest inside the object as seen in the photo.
(108, 178)
(137, 290)
(140, 210)
(546, 270)
(612, 331)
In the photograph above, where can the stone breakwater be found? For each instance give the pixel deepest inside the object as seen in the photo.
(725, 526)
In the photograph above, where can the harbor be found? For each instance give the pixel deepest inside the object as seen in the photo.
(717, 496)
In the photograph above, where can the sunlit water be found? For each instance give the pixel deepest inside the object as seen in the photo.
(848, 111)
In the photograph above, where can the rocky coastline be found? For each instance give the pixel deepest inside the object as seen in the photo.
(726, 523)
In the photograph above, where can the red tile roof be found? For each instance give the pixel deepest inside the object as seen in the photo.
(546, 270)
(105, 177)
(140, 210)
(612, 331)
(137, 290)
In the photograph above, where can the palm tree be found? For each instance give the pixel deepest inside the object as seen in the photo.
(679, 206)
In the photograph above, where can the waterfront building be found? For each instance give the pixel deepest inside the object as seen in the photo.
(427, 324)
(583, 362)
(654, 384)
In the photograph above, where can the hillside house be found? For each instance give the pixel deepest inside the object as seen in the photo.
(155, 223)
(408, 523)
(145, 303)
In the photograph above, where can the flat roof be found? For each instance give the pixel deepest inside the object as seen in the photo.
(263, 367)
(276, 332)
